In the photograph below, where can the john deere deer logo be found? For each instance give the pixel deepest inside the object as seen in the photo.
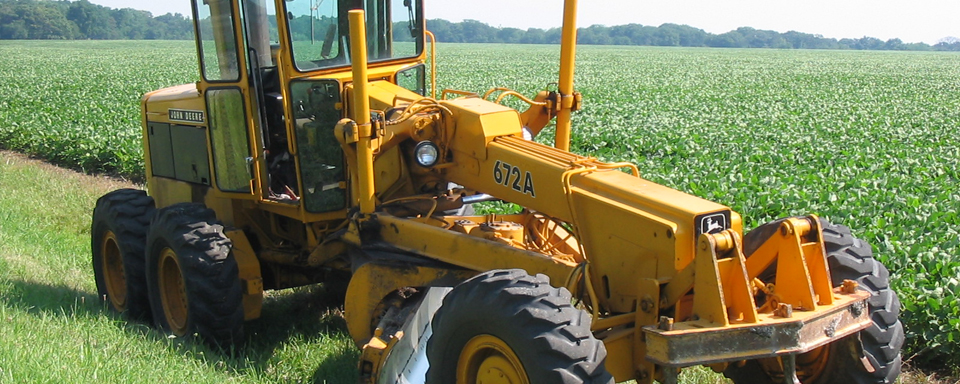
(713, 223)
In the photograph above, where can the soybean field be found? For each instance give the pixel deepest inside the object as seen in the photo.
(870, 140)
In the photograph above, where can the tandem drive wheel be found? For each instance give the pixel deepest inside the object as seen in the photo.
(193, 279)
(118, 235)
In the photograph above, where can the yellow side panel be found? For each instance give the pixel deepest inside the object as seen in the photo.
(223, 206)
(167, 192)
(623, 245)
(158, 103)
(155, 108)
(657, 201)
(479, 122)
(536, 182)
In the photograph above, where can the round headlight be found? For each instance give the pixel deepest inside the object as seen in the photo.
(427, 154)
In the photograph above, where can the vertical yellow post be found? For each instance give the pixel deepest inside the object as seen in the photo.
(568, 53)
(433, 64)
(361, 110)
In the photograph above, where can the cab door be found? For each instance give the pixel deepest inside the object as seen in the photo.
(230, 100)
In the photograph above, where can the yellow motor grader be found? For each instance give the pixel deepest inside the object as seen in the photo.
(330, 159)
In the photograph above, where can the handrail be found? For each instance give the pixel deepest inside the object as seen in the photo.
(433, 64)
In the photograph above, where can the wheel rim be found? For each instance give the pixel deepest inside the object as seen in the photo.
(813, 363)
(488, 360)
(810, 365)
(113, 274)
(173, 292)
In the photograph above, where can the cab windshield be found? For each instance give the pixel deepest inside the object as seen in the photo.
(319, 31)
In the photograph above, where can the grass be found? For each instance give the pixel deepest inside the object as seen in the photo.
(56, 331)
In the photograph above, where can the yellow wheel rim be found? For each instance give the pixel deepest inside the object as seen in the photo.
(810, 365)
(486, 359)
(173, 292)
(114, 276)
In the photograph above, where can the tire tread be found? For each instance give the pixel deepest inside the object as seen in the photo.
(125, 212)
(214, 294)
(566, 351)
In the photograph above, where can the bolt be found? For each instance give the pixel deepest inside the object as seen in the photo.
(849, 286)
(646, 305)
(666, 323)
(784, 310)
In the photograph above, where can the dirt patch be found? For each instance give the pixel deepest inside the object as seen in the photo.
(93, 182)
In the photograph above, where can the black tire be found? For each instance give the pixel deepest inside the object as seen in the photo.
(849, 259)
(118, 234)
(207, 300)
(551, 339)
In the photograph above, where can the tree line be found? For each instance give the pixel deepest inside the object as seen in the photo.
(670, 35)
(66, 20)
(63, 19)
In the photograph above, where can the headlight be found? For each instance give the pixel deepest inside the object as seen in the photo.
(427, 154)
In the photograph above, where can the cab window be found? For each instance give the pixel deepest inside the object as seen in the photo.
(319, 31)
(217, 41)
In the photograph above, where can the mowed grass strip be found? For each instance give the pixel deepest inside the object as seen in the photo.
(54, 330)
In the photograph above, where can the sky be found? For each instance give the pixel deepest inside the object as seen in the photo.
(909, 20)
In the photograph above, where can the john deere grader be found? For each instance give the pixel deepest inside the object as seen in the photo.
(331, 159)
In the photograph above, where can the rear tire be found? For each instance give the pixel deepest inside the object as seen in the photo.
(118, 235)
(506, 321)
(879, 345)
(193, 279)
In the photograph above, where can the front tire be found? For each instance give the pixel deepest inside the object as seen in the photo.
(118, 235)
(844, 361)
(193, 280)
(507, 326)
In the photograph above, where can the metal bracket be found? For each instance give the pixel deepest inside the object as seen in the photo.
(724, 291)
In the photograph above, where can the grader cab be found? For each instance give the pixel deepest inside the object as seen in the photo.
(314, 149)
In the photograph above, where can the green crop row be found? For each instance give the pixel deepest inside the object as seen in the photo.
(870, 140)
(77, 104)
